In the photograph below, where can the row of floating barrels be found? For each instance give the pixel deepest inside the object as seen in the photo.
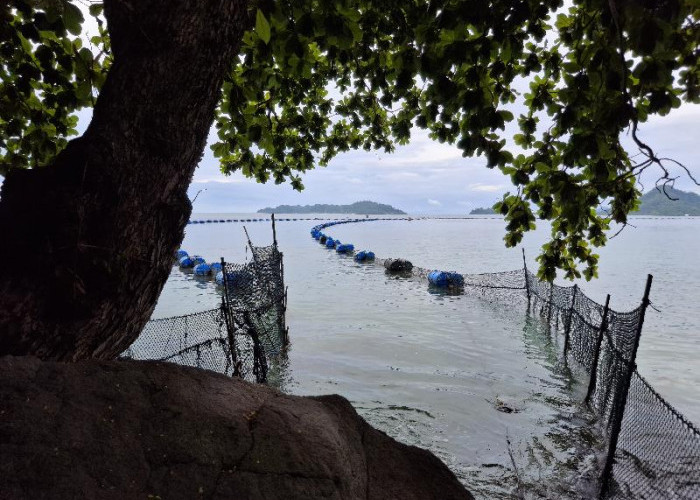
(216, 221)
(200, 266)
(441, 279)
(219, 221)
(343, 248)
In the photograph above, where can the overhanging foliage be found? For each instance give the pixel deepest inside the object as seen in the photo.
(314, 79)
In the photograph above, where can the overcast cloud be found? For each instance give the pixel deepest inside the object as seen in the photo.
(424, 177)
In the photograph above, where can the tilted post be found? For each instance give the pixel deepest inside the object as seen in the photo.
(225, 309)
(274, 230)
(621, 398)
(527, 281)
(596, 355)
(567, 326)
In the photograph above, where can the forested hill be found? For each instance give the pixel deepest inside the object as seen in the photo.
(482, 211)
(359, 207)
(657, 203)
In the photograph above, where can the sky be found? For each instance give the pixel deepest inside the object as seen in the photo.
(423, 177)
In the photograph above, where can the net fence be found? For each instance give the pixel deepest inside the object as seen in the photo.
(654, 452)
(255, 305)
(199, 340)
(245, 337)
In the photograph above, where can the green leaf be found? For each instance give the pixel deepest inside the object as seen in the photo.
(72, 18)
(262, 27)
(96, 9)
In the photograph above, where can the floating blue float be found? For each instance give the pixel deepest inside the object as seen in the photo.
(202, 269)
(345, 248)
(215, 267)
(364, 256)
(197, 259)
(445, 279)
(186, 262)
(180, 254)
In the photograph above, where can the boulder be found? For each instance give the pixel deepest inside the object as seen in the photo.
(140, 429)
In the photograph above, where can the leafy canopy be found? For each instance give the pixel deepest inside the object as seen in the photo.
(317, 78)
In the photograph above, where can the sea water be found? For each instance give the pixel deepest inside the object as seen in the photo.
(478, 382)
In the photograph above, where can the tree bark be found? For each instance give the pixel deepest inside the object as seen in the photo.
(88, 242)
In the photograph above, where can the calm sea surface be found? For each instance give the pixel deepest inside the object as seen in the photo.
(436, 370)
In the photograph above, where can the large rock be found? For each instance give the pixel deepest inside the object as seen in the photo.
(130, 429)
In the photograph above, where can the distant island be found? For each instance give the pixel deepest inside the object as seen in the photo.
(655, 202)
(359, 207)
(482, 211)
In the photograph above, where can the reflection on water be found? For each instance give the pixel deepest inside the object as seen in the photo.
(480, 384)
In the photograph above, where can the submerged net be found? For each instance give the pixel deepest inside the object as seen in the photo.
(245, 337)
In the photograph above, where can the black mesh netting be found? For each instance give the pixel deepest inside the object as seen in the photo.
(199, 339)
(255, 305)
(658, 451)
(244, 337)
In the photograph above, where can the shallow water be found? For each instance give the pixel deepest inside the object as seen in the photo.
(434, 370)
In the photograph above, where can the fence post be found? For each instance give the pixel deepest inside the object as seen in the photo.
(229, 326)
(527, 281)
(596, 355)
(567, 327)
(274, 230)
(621, 398)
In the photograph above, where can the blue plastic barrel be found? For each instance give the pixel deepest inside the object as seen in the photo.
(364, 256)
(186, 262)
(202, 269)
(445, 279)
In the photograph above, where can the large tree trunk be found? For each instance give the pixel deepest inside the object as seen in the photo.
(88, 243)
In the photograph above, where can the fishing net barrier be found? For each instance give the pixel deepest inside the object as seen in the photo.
(653, 451)
(245, 337)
